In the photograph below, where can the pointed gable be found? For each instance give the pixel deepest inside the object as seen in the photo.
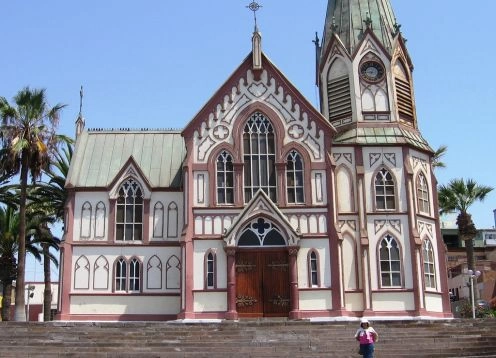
(268, 88)
(261, 206)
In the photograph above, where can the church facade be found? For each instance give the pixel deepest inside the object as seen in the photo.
(264, 206)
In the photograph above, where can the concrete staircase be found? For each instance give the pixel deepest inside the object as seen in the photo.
(258, 338)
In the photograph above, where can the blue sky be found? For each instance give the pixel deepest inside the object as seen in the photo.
(154, 64)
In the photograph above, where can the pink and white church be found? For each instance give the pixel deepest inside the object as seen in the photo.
(263, 205)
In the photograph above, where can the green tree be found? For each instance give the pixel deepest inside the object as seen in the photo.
(438, 154)
(28, 140)
(457, 197)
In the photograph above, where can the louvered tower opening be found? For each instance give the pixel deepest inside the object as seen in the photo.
(404, 94)
(339, 98)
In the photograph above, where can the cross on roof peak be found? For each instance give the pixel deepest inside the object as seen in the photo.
(254, 6)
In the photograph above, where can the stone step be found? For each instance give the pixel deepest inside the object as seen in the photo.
(454, 338)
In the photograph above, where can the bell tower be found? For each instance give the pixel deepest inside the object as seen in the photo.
(385, 189)
(364, 70)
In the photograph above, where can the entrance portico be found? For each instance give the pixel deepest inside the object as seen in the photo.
(261, 248)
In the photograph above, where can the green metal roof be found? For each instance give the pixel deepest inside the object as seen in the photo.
(347, 18)
(383, 136)
(101, 154)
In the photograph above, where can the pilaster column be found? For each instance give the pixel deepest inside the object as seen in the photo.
(293, 283)
(238, 178)
(281, 171)
(232, 313)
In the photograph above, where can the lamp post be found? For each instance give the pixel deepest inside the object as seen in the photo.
(471, 274)
(30, 290)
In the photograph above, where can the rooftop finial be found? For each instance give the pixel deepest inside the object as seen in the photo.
(254, 6)
(368, 20)
(81, 101)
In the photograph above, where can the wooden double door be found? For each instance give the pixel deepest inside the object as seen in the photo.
(262, 283)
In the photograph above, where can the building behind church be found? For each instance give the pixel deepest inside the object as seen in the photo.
(263, 205)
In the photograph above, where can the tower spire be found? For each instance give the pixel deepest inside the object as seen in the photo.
(348, 22)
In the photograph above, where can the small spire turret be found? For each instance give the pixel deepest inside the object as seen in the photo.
(256, 38)
(80, 119)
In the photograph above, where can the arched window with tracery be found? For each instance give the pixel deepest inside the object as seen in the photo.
(261, 233)
(225, 178)
(134, 275)
(390, 262)
(423, 194)
(259, 157)
(294, 178)
(120, 275)
(384, 191)
(429, 264)
(129, 219)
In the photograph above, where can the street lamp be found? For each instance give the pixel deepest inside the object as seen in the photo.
(30, 290)
(473, 275)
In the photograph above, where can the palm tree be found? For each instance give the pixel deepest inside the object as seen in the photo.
(53, 193)
(438, 154)
(9, 227)
(9, 245)
(6, 195)
(458, 196)
(52, 196)
(40, 234)
(28, 140)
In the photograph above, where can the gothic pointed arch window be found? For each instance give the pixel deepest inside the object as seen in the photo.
(294, 178)
(120, 275)
(385, 197)
(259, 157)
(127, 275)
(129, 218)
(134, 275)
(225, 178)
(313, 268)
(210, 269)
(423, 194)
(429, 264)
(261, 233)
(390, 262)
